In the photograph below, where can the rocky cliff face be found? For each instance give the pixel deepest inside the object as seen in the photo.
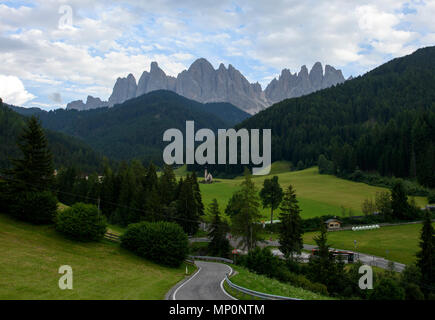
(201, 82)
(295, 85)
(124, 89)
(91, 103)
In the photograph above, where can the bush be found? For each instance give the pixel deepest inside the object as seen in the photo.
(162, 242)
(34, 207)
(82, 222)
(262, 261)
(387, 289)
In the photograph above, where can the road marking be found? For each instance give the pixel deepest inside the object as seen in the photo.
(173, 296)
(222, 284)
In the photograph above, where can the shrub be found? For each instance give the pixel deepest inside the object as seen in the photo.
(82, 222)
(34, 207)
(262, 261)
(387, 289)
(162, 242)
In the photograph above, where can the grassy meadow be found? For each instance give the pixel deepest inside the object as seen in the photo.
(400, 241)
(317, 194)
(30, 257)
(263, 284)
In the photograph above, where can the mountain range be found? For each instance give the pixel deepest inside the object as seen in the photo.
(202, 83)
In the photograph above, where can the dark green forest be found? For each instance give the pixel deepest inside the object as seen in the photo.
(383, 121)
(67, 150)
(135, 128)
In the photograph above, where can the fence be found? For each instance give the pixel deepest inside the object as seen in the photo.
(261, 295)
(112, 237)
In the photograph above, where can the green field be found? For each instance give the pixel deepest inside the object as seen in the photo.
(400, 241)
(30, 257)
(317, 194)
(263, 284)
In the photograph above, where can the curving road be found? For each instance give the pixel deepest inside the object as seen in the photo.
(205, 284)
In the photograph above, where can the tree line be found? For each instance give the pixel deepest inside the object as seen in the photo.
(381, 122)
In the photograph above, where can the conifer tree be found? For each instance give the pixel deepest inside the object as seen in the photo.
(219, 244)
(34, 171)
(246, 223)
(30, 189)
(167, 185)
(399, 201)
(187, 207)
(426, 256)
(271, 195)
(197, 193)
(290, 235)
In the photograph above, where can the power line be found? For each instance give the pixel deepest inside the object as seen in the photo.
(98, 200)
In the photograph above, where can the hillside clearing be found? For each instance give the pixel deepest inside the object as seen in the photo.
(317, 194)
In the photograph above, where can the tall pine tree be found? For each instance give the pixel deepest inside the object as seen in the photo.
(290, 233)
(426, 256)
(31, 179)
(271, 195)
(246, 223)
(219, 244)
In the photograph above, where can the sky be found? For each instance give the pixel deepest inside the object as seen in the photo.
(54, 52)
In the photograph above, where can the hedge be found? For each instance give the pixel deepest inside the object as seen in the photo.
(81, 222)
(161, 242)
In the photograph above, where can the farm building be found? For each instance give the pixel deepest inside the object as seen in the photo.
(333, 224)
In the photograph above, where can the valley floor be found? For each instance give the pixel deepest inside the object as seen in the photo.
(317, 194)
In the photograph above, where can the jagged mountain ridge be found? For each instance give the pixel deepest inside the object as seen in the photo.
(203, 83)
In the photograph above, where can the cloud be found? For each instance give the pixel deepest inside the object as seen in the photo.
(110, 39)
(56, 97)
(12, 91)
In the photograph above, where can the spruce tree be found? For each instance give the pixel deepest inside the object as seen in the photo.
(219, 244)
(246, 223)
(290, 233)
(167, 185)
(426, 256)
(31, 179)
(271, 195)
(188, 211)
(34, 170)
(399, 201)
(197, 193)
(321, 267)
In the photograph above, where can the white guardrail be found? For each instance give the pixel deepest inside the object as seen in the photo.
(261, 295)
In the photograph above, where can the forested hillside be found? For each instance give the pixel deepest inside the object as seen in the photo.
(135, 128)
(67, 151)
(381, 122)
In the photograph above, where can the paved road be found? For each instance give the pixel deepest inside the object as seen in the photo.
(364, 258)
(206, 284)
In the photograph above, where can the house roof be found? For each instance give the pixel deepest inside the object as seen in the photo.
(332, 220)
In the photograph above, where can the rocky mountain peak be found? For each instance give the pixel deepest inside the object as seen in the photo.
(203, 83)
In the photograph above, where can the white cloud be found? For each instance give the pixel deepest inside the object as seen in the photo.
(113, 38)
(12, 91)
